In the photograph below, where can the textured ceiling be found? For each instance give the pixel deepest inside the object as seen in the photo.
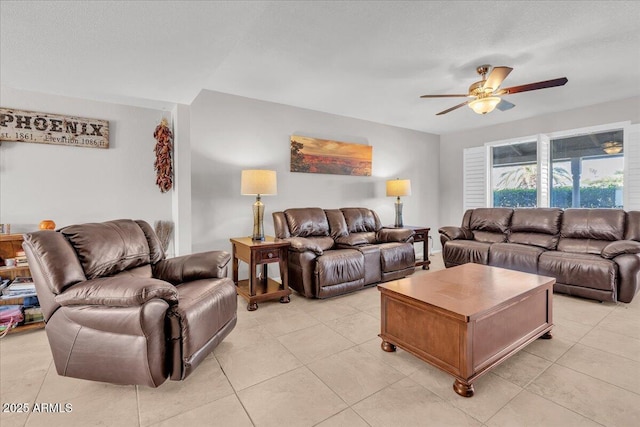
(365, 59)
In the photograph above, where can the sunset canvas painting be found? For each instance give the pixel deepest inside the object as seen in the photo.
(314, 155)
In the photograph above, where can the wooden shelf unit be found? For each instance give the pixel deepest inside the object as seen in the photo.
(9, 245)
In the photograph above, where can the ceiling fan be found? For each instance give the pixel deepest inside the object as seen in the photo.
(486, 93)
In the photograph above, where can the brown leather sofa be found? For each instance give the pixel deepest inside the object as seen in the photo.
(592, 253)
(335, 251)
(117, 311)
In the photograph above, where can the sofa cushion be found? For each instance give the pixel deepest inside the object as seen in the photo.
(337, 223)
(515, 256)
(583, 246)
(360, 219)
(585, 270)
(536, 220)
(597, 224)
(107, 248)
(489, 237)
(541, 240)
(355, 239)
(156, 251)
(305, 222)
(491, 219)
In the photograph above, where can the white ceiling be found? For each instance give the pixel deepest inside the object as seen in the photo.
(365, 59)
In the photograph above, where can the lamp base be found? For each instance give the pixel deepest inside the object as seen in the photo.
(398, 222)
(258, 223)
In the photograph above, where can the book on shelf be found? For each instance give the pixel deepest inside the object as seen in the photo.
(32, 315)
(19, 287)
(21, 259)
(21, 282)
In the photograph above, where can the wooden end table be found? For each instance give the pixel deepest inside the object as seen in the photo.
(254, 253)
(421, 235)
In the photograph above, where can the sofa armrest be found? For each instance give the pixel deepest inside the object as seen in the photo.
(386, 235)
(620, 247)
(456, 233)
(302, 244)
(203, 265)
(118, 291)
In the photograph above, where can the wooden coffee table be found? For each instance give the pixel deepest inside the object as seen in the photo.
(467, 319)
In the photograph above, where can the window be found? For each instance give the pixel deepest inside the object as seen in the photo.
(514, 174)
(591, 167)
(588, 170)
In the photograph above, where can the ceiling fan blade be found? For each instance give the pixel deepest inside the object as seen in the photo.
(444, 96)
(497, 75)
(533, 86)
(504, 105)
(453, 108)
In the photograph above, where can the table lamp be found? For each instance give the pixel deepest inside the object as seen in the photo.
(259, 183)
(397, 188)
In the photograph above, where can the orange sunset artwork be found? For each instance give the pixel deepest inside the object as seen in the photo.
(314, 155)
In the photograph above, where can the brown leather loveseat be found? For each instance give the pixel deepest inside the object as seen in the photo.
(335, 251)
(592, 253)
(117, 311)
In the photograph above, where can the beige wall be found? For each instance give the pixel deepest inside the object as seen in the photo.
(231, 133)
(77, 184)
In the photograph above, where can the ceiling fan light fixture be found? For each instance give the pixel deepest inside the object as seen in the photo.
(612, 147)
(484, 105)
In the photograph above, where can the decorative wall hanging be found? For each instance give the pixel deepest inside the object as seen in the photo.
(45, 128)
(164, 150)
(314, 155)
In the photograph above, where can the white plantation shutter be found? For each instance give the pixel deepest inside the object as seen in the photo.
(475, 178)
(544, 172)
(631, 190)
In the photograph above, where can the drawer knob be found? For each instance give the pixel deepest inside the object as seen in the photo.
(270, 254)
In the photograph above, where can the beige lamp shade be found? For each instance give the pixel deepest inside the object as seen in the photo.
(258, 181)
(399, 187)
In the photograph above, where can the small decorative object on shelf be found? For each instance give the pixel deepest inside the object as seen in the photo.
(47, 224)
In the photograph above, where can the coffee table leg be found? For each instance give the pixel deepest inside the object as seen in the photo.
(387, 346)
(464, 390)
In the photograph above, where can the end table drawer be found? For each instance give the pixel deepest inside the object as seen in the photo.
(420, 236)
(267, 255)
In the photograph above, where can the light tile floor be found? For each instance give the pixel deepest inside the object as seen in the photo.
(319, 363)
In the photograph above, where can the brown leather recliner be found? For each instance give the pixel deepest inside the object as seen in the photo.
(335, 251)
(117, 311)
(592, 253)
